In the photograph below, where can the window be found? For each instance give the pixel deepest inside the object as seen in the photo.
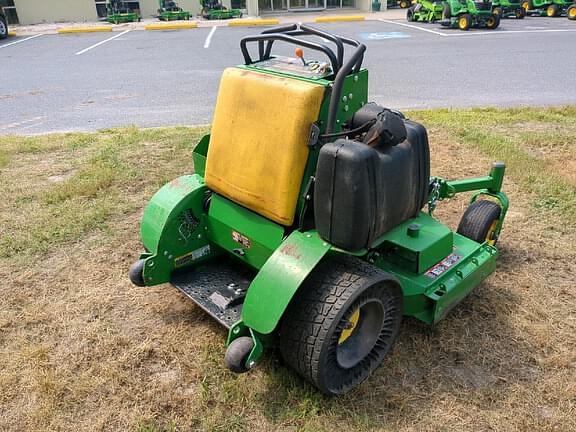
(101, 8)
(102, 11)
(10, 11)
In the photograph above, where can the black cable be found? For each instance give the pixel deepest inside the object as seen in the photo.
(349, 132)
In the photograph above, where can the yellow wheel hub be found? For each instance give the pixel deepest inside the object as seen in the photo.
(490, 236)
(350, 327)
(462, 23)
(550, 11)
(525, 6)
(572, 13)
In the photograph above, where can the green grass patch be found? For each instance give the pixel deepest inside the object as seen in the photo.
(512, 135)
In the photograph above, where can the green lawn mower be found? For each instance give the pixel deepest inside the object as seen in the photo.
(119, 13)
(508, 9)
(550, 8)
(304, 224)
(169, 10)
(425, 11)
(465, 14)
(214, 10)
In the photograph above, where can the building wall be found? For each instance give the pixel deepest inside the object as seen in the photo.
(42, 11)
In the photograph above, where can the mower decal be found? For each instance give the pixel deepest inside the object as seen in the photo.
(443, 266)
(241, 239)
(192, 256)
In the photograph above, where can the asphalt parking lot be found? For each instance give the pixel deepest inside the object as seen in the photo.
(158, 78)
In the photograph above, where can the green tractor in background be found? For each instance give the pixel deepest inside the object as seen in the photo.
(465, 14)
(425, 11)
(302, 224)
(168, 10)
(550, 8)
(214, 10)
(508, 8)
(118, 12)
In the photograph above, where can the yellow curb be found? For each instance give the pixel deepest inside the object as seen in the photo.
(84, 29)
(171, 26)
(253, 22)
(328, 19)
(11, 33)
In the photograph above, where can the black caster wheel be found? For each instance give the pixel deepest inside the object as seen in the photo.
(237, 353)
(136, 273)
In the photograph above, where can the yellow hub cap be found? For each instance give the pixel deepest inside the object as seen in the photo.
(550, 11)
(525, 6)
(490, 236)
(572, 13)
(350, 327)
(462, 23)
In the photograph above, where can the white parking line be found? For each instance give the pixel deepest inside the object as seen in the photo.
(103, 42)
(413, 26)
(21, 40)
(209, 37)
(476, 33)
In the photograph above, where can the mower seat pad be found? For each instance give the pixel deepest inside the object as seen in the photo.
(259, 140)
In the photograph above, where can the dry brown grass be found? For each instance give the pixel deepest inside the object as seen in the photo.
(82, 349)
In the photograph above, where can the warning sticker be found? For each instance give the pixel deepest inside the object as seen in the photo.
(242, 239)
(443, 266)
(192, 256)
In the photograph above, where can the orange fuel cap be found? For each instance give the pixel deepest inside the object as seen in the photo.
(299, 52)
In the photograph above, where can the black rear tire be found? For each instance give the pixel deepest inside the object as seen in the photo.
(520, 13)
(410, 14)
(404, 4)
(492, 22)
(571, 12)
(478, 221)
(552, 11)
(3, 28)
(341, 324)
(498, 11)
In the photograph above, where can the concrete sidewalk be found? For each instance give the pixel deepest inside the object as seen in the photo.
(283, 18)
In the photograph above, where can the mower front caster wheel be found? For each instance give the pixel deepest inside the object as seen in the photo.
(341, 324)
(479, 221)
(136, 273)
(237, 354)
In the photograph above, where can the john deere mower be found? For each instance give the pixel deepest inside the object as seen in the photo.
(425, 11)
(307, 223)
(168, 10)
(214, 10)
(464, 14)
(119, 12)
(508, 9)
(550, 8)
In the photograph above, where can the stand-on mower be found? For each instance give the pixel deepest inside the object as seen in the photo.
(303, 224)
(550, 8)
(214, 10)
(464, 14)
(118, 12)
(508, 9)
(425, 11)
(168, 10)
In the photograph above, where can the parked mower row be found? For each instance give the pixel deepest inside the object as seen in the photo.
(465, 14)
(118, 11)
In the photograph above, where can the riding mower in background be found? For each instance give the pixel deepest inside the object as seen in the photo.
(214, 10)
(508, 8)
(549, 8)
(170, 11)
(303, 226)
(425, 11)
(118, 12)
(464, 14)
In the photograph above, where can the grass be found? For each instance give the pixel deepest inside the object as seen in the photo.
(82, 349)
